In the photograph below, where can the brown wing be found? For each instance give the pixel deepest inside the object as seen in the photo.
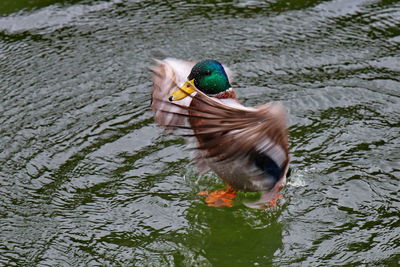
(225, 133)
(167, 75)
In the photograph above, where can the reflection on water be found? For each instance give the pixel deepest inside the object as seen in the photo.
(86, 177)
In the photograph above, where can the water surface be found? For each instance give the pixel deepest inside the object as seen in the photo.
(87, 178)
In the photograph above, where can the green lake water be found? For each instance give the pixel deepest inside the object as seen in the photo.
(88, 179)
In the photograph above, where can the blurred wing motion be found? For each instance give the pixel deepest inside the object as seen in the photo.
(168, 74)
(233, 140)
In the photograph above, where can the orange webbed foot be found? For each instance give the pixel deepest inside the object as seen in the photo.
(273, 202)
(219, 198)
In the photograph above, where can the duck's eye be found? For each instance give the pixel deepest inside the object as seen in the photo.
(208, 72)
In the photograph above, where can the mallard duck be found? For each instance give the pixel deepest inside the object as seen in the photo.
(247, 147)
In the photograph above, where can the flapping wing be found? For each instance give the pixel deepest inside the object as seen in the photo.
(167, 74)
(226, 133)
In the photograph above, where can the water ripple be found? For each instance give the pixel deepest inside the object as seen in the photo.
(88, 179)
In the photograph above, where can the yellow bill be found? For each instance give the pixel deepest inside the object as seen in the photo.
(187, 88)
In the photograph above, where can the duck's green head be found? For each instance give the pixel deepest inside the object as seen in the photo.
(208, 76)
